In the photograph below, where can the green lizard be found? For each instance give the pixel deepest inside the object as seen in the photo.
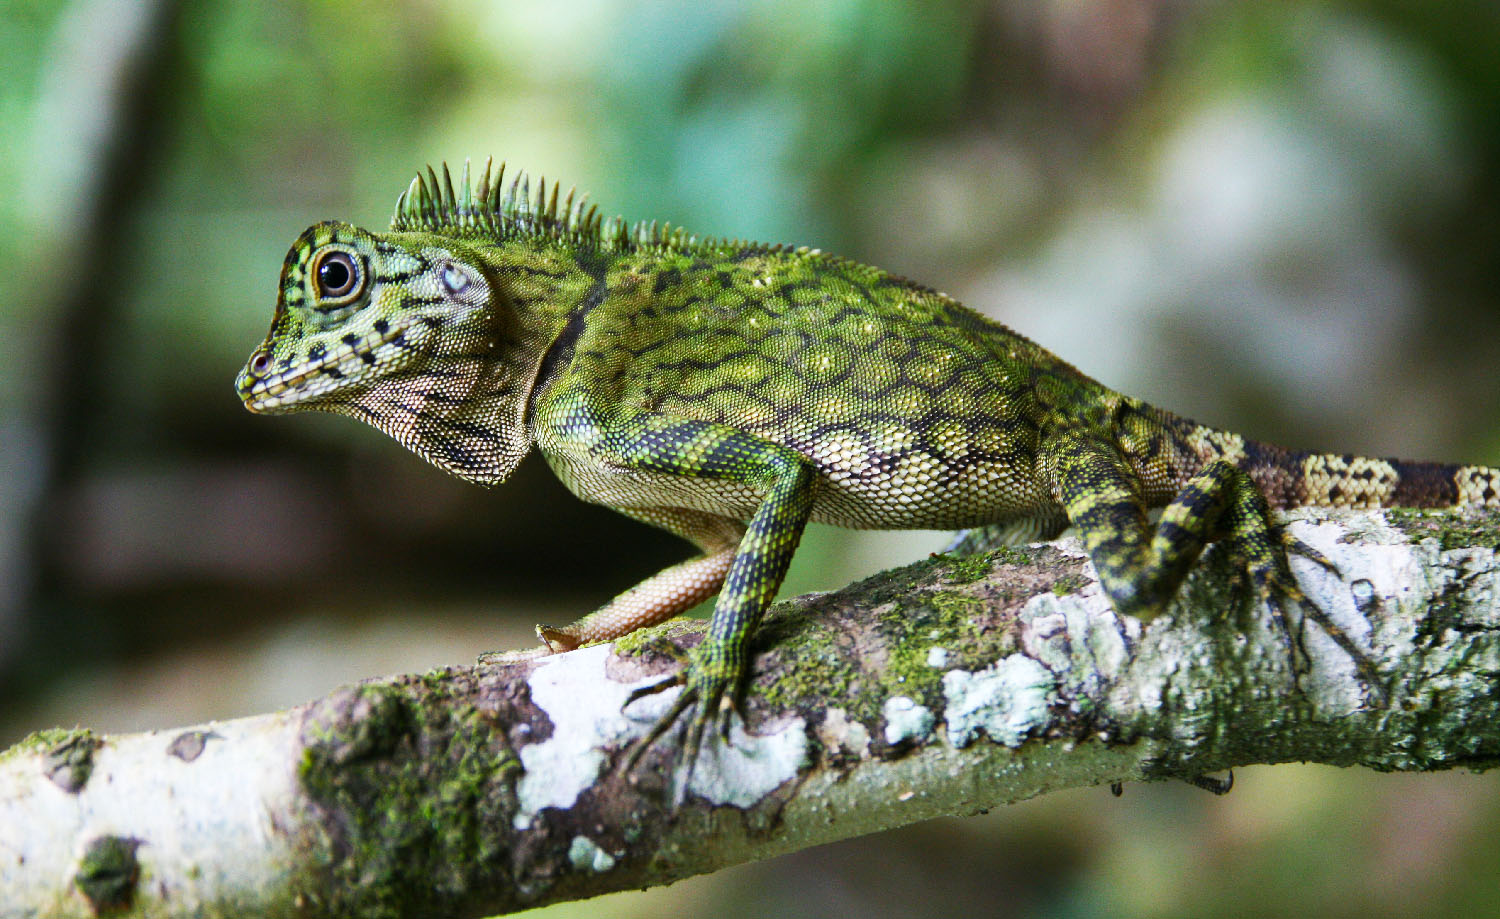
(730, 392)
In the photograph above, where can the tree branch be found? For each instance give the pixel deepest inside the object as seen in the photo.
(947, 687)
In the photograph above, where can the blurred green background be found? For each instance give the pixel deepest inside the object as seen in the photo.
(1279, 218)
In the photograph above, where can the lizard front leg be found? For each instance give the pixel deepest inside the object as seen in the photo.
(667, 593)
(744, 469)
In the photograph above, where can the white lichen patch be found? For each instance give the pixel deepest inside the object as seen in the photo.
(1005, 701)
(906, 721)
(937, 657)
(1380, 576)
(1078, 636)
(586, 855)
(837, 733)
(584, 706)
(750, 766)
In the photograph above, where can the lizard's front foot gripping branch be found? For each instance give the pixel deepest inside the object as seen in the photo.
(711, 684)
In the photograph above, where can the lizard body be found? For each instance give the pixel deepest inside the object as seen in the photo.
(729, 392)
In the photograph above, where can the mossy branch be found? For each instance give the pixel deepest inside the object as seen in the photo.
(946, 687)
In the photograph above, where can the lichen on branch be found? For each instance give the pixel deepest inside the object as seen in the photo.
(949, 686)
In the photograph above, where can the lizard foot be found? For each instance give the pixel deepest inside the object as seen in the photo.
(706, 698)
(557, 640)
(1279, 589)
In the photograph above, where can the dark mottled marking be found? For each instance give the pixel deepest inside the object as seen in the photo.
(189, 745)
(666, 280)
(108, 872)
(1423, 485)
(70, 762)
(560, 352)
(896, 280)
(533, 271)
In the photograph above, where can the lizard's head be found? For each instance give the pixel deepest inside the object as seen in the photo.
(400, 330)
(355, 309)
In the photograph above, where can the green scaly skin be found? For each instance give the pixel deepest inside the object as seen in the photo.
(729, 392)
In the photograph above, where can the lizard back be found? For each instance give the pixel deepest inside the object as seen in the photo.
(916, 411)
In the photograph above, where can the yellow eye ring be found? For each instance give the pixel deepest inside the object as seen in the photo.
(338, 276)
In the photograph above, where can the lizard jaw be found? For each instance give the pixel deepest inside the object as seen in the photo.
(334, 370)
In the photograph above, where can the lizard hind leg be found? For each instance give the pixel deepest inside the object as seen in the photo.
(670, 592)
(1141, 569)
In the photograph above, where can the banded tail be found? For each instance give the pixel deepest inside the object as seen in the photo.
(1297, 478)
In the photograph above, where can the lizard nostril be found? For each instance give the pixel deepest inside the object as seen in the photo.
(260, 364)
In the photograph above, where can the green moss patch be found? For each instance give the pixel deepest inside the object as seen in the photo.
(1453, 529)
(68, 756)
(417, 789)
(658, 638)
(108, 872)
(948, 619)
(814, 662)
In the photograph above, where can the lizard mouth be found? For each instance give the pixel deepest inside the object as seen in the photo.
(349, 361)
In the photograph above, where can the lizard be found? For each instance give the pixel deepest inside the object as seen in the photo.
(730, 391)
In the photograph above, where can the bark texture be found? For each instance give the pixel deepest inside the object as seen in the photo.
(946, 687)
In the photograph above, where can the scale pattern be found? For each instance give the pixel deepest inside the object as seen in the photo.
(730, 391)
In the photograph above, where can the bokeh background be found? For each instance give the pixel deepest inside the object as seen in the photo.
(1280, 218)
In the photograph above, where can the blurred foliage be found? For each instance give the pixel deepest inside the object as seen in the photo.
(1280, 218)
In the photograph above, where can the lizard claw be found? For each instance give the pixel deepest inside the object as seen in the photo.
(1309, 552)
(557, 640)
(1212, 784)
(1280, 589)
(730, 704)
(708, 694)
(663, 723)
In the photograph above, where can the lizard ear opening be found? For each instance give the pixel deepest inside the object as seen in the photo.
(455, 279)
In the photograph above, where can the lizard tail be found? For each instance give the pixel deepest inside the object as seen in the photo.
(1292, 478)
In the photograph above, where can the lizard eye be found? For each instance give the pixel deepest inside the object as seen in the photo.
(338, 275)
(260, 364)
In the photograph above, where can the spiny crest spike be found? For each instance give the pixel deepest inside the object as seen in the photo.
(424, 199)
(452, 199)
(497, 188)
(482, 202)
(482, 190)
